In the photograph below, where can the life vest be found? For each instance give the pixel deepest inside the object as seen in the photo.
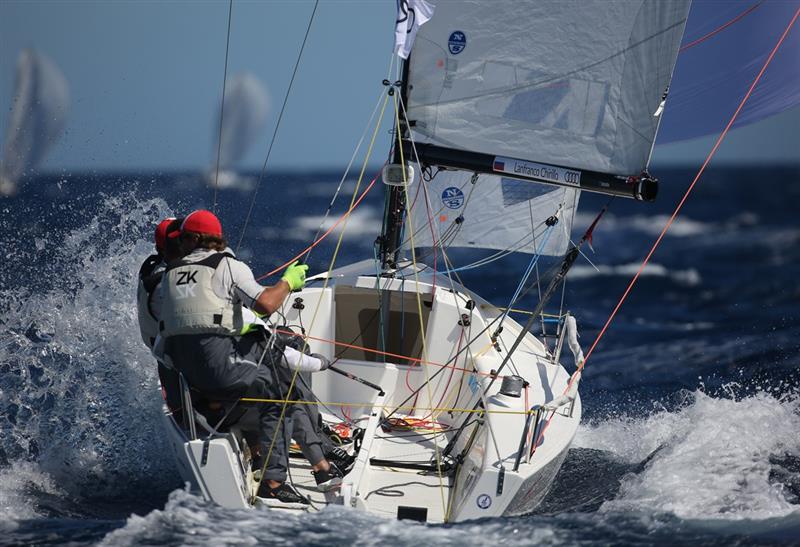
(189, 303)
(149, 277)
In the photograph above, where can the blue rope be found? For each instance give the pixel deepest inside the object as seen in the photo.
(528, 271)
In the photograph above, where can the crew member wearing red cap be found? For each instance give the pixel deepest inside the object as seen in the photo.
(202, 299)
(148, 301)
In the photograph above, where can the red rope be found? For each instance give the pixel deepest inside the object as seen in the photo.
(540, 437)
(379, 352)
(689, 190)
(723, 27)
(323, 236)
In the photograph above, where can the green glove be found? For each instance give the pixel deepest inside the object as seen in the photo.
(295, 275)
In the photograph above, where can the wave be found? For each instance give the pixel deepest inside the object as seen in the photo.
(689, 277)
(364, 222)
(713, 458)
(79, 402)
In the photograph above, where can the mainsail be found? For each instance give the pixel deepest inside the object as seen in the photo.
(566, 93)
(573, 84)
(37, 118)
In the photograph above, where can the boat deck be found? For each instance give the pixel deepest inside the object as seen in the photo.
(383, 487)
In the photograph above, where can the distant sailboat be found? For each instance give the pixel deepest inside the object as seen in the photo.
(243, 119)
(37, 118)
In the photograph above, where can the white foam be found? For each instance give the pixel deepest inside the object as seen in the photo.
(16, 503)
(82, 385)
(364, 221)
(689, 277)
(715, 460)
(652, 225)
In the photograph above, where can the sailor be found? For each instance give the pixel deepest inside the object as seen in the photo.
(203, 299)
(147, 303)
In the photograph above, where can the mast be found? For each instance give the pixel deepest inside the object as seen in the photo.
(391, 237)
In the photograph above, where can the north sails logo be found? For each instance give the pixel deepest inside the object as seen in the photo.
(452, 197)
(457, 42)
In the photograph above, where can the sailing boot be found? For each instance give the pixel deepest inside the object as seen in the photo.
(283, 493)
(328, 480)
(341, 458)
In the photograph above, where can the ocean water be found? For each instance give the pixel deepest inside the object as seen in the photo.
(691, 430)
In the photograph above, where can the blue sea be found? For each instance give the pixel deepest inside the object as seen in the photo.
(691, 428)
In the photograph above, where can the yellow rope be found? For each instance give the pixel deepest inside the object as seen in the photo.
(419, 298)
(370, 405)
(327, 278)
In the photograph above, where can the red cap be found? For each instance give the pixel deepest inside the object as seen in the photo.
(161, 233)
(202, 222)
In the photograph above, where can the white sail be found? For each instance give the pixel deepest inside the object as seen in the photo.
(37, 118)
(244, 118)
(493, 213)
(574, 84)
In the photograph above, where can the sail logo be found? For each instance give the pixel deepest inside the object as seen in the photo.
(457, 42)
(453, 198)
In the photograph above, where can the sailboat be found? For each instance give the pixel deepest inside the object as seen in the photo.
(453, 410)
(242, 120)
(36, 118)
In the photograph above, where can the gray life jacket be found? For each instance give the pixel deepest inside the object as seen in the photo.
(149, 278)
(189, 303)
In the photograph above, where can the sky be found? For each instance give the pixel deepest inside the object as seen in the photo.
(146, 81)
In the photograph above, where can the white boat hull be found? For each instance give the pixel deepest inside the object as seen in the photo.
(494, 469)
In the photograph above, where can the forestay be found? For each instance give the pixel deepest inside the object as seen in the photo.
(574, 84)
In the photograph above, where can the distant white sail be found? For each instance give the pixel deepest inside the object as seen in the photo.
(496, 213)
(244, 119)
(37, 119)
(563, 83)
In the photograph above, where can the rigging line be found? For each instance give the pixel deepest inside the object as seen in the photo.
(330, 268)
(721, 28)
(419, 305)
(566, 264)
(222, 107)
(277, 126)
(468, 346)
(559, 326)
(326, 234)
(350, 164)
(533, 262)
(373, 405)
(686, 194)
(473, 181)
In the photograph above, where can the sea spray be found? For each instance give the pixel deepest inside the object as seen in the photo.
(712, 458)
(79, 400)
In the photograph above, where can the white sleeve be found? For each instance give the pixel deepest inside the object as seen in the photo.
(235, 279)
(301, 361)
